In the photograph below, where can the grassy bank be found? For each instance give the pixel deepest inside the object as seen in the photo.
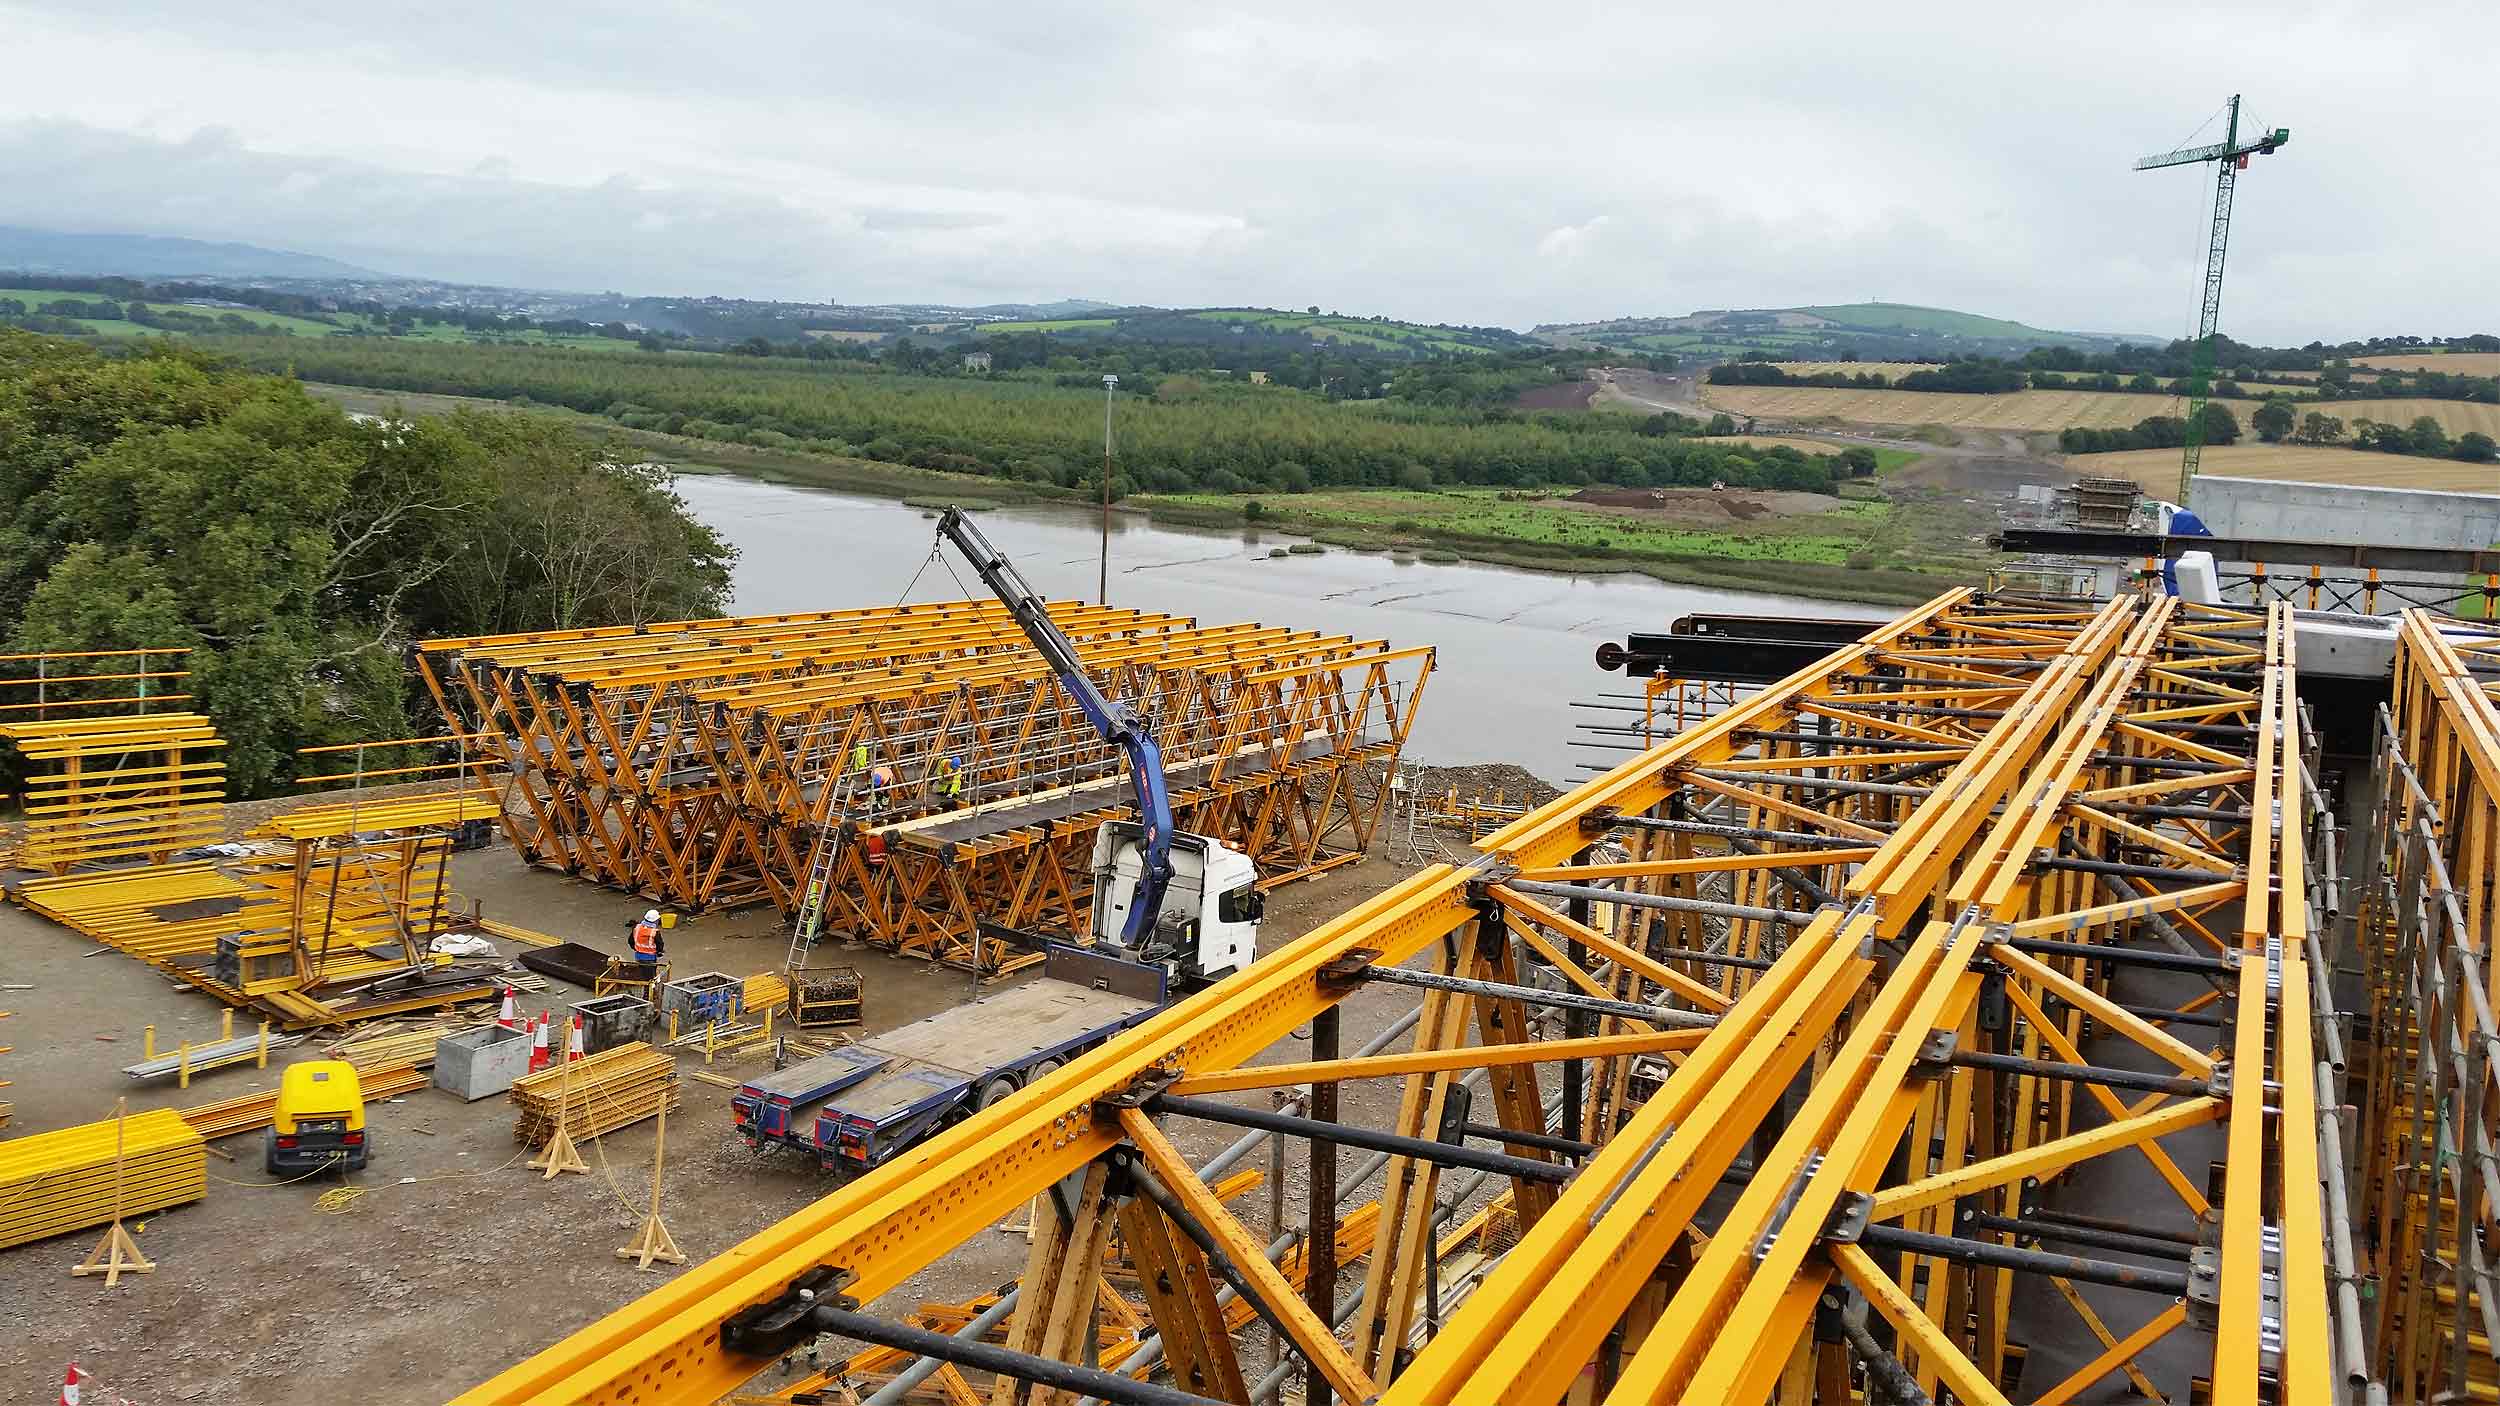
(1846, 553)
(1803, 554)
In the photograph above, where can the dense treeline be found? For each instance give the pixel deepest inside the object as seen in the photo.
(1207, 436)
(159, 499)
(1491, 380)
(1762, 373)
(2152, 432)
(129, 298)
(2148, 371)
(1965, 377)
(2278, 421)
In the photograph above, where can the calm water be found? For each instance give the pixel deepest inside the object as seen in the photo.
(1514, 646)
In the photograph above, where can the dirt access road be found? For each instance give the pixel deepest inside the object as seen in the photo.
(1945, 502)
(455, 1261)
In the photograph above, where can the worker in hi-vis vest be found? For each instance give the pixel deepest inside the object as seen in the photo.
(951, 782)
(646, 941)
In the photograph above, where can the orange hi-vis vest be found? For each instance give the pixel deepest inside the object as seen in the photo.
(647, 941)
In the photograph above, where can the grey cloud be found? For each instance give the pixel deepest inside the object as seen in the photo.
(1433, 161)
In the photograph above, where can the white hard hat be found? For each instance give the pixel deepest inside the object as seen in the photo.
(651, 915)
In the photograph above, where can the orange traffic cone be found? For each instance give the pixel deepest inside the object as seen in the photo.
(575, 1050)
(510, 1017)
(538, 1044)
(69, 1385)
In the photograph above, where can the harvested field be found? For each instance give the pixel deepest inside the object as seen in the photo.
(1565, 395)
(2018, 410)
(1780, 441)
(2454, 363)
(1891, 369)
(2454, 416)
(2158, 469)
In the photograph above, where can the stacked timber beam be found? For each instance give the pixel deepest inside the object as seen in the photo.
(1939, 1023)
(712, 763)
(56, 1182)
(594, 1095)
(243, 1113)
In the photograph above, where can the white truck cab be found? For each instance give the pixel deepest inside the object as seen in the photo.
(1209, 925)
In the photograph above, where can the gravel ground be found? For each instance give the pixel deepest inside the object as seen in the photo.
(455, 1261)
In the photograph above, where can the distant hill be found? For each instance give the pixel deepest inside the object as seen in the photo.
(1254, 326)
(25, 250)
(1872, 331)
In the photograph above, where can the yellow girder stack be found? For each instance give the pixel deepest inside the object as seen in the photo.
(1877, 986)
(709, 764)
(300, 930)
(121, 789)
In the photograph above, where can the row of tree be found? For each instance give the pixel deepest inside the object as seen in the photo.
(2152, 432)
(2275, 422)
(1224, 437)
(2279, 421)
(2337, 381)
(159, 499)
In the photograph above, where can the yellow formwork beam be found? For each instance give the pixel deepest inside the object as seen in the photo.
(2010, 716)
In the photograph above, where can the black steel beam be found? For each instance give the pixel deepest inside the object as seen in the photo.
(1447, 1154)
(2087, 1236)
(988, 1357)
(2385, 557)
(2136, 1080)
(1716, 658)
(1537, 996)
(2135, 871)
(1995, 1256)
(2129, 956)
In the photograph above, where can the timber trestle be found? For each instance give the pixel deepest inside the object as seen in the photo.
(1946, 1021)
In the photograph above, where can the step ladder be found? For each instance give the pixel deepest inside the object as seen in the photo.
(809, 919)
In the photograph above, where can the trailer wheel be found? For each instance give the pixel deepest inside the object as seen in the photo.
(996, 1090)
(1043, 1070)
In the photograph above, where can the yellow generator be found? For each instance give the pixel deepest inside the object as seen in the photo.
(319, 1120)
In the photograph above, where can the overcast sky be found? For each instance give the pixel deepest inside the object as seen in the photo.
(1506, 165)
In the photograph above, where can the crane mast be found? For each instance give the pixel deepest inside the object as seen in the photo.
(1117, 724)
(2230, 157)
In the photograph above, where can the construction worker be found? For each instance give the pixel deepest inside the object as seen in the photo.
(645, 941)
(951, 782)
(880, 781)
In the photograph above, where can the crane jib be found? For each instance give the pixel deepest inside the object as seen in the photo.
(1118, 726)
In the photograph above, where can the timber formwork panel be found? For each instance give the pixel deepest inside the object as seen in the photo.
(1855, 1042)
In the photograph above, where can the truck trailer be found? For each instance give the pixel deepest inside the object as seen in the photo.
(855, 1108)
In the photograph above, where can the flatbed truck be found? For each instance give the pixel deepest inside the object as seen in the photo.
(858, 1107)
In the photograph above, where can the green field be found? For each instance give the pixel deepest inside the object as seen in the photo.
(1800, 553)
(1356, 331)
(1908, 317)
(1826, 537)
(1056, 324)
(34, 298)
(344, 324)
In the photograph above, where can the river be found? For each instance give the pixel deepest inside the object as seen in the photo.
(1514, 647)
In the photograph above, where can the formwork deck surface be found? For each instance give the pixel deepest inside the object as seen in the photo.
(959, 827)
